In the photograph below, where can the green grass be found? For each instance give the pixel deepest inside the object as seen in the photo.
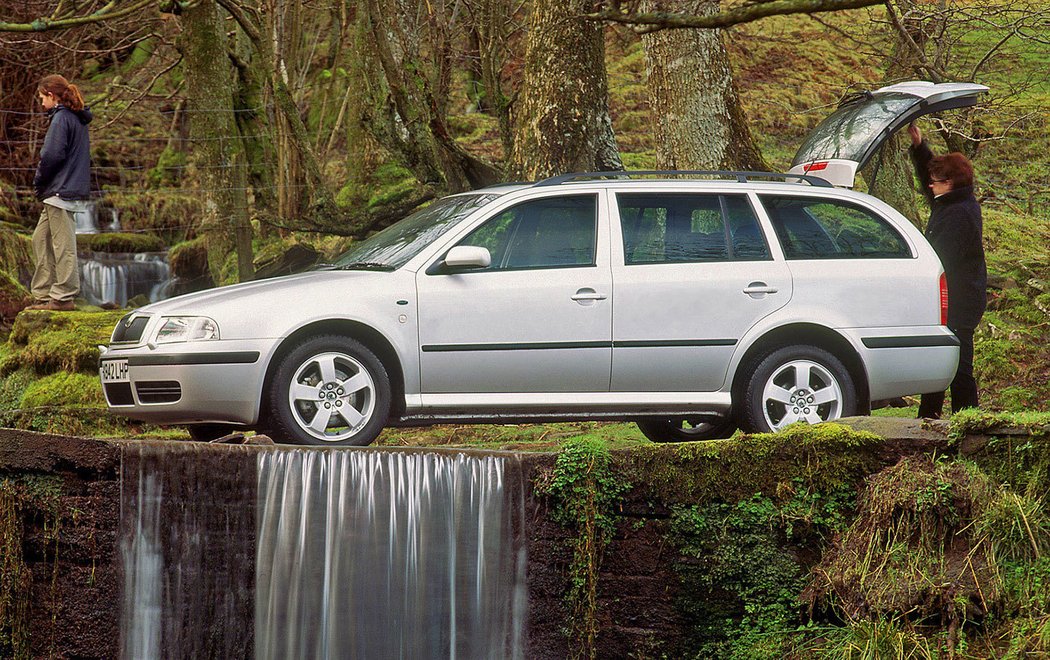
(514, 437)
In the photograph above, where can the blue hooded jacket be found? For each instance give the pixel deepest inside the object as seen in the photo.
(65, 160)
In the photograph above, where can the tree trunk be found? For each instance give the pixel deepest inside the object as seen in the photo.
(698, 120)
(283, 24)
(562, 118)
(217, 149)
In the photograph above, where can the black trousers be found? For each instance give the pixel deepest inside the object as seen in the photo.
(963, 387)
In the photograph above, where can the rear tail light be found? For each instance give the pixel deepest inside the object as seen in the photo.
(944, 299)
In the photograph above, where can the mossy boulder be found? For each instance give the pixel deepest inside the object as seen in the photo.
(48, 342)
(284, 259)
(64, 389)
(16, 252)
(821, 458)
(13, 386)
(914, 548)
(118, 242)
(13, 296)
(189, 267)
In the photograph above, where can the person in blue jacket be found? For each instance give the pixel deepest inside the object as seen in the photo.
(62, 183)
(955, 232)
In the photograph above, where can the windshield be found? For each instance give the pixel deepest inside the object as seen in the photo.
(395, 245)
(853, 128)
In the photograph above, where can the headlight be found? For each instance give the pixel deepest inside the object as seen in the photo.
(187, 328)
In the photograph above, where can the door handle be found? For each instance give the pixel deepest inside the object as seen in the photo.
(588, 294)
(759, 288)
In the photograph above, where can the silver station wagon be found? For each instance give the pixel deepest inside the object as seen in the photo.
(693, 304)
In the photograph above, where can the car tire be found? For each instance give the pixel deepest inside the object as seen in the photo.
(797, 383)
(687, 430)
(209, 432)
(329, 390)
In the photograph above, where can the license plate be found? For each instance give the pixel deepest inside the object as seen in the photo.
(114, 371)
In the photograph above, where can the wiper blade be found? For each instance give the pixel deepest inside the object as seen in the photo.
(364, 265)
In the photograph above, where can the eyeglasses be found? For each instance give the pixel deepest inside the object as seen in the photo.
(933, 181)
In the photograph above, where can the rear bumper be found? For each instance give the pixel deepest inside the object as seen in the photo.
(909, 360)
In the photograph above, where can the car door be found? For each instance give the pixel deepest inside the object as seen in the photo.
(847, 139)
(695, 272)
(537, 319)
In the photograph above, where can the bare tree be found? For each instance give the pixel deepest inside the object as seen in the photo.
(562, 115)
(413, 43)
(630, 13)
(217, 141)
(697, 116)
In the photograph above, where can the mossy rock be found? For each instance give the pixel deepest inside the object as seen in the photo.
(13, 296)
(189, 267)
(16, 251)
(118, 242)
(821, 458)
(13, 386)
(64, 389)
(174, 216)
(48, 342)
(189, 259)
(79, 421)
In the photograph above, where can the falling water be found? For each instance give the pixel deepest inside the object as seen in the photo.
(117, 277)
(354, 554)
(370, 554)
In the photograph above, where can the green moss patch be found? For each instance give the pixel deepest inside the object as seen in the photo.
(823, 457)
(13, 296)
(64, 389)
(58, 341)
(118, 242)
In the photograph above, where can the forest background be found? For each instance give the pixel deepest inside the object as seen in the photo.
(253, 137)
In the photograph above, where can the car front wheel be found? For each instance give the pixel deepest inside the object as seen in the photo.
(797, 384)
(330, 390)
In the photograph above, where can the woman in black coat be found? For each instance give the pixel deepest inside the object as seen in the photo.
(954, 230)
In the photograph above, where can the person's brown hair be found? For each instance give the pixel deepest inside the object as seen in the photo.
(65, 91)
(954, 167)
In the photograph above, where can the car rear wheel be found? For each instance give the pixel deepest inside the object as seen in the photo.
(797, 384)
(690, 429)
(209, 432)
(330, 390)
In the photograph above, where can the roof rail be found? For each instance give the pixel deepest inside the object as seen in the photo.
(741, 177)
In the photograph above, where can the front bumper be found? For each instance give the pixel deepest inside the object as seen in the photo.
(189, 383)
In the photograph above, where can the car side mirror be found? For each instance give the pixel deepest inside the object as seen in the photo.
(467, 256)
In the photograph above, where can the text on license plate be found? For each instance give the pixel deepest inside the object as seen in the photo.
(114, 371)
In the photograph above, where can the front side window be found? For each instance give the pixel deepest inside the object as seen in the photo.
(553, 232)
(689, 228)
(394, 246)
(814, 228)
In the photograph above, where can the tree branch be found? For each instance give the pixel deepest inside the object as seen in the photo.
(644, 22)
(106, 13)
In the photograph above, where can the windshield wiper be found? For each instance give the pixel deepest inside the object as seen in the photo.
(364, 265)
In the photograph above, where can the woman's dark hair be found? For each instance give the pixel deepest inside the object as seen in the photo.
(65, 91)
(954, 167)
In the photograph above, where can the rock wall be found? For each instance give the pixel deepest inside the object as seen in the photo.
(67, 495)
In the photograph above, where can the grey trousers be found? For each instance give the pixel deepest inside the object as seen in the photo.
(55, 250)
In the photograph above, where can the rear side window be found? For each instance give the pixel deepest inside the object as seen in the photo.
(551, 232)
(814, 228)
(689, 228)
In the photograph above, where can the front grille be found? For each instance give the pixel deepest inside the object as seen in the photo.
(129, 330)
(159, 391)
(118, 394)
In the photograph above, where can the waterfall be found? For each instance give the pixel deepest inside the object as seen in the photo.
(355, 553)
(117, 277)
